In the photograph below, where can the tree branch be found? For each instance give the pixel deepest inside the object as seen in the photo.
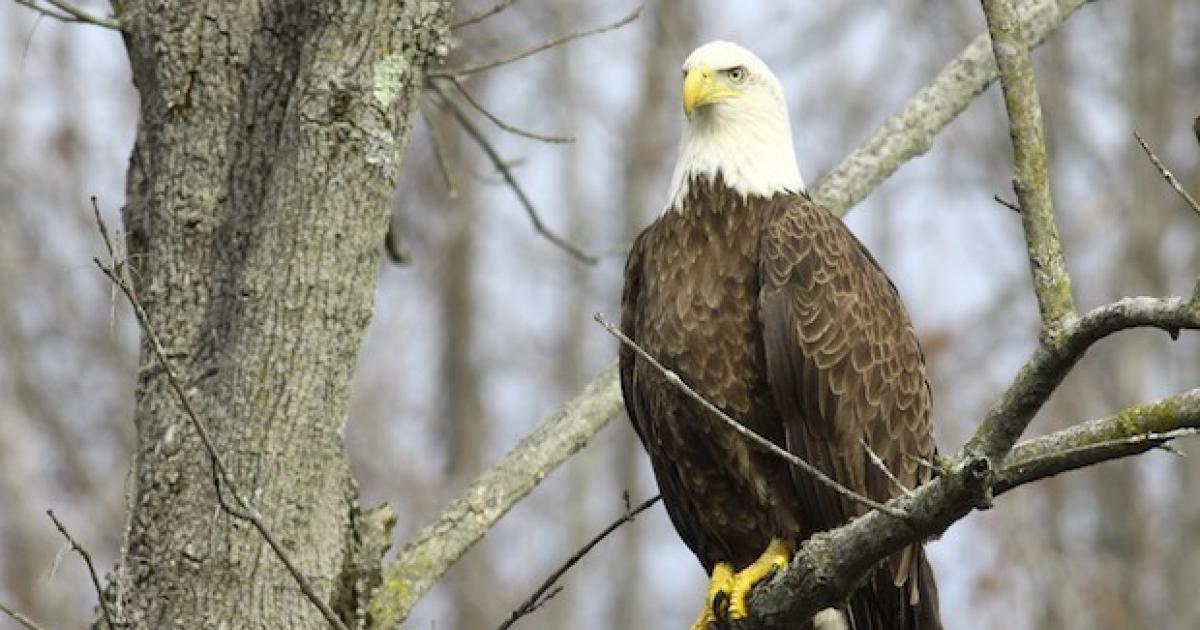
(1133, 431)
(524, 54)
(1168, 175)
(540, 596)
(1052, 359)
(911, 131)
(477, 106)
(1031, 181)
(91, 568)
(831, 564)
(19, 618)
(70, 13)
(506, 174)
(437, 546)
(479, 17)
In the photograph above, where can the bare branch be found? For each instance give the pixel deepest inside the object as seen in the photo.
(1041, 374)
(1133, 431)
(500, 123)
(506, 173)
(91, 567)
(753, 437)
(539, 596)
(911, 131)
(221, 474)
(479, 17)
(830, 564)
(70, 13)
(1031, 181)
(1167, 175)
(877, 461)
(557, 41)
(1006, 203)
(439, 154)
(437, 546)
(19, 618)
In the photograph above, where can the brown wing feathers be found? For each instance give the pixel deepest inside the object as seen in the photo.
(844, 366)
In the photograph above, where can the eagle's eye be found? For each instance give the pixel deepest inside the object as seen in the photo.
(737, 74)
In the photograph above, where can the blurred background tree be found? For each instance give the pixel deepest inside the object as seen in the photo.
(504, 316)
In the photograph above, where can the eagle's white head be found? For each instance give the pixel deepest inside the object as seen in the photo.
(737, 125)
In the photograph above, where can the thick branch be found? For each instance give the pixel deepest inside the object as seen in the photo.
(1032, 180)
(1133, 431)
(832, 563)
(461, 524)
(1053, 358)
(911, 131)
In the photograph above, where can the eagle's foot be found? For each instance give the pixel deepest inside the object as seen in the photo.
(717, 601)
(776, 558)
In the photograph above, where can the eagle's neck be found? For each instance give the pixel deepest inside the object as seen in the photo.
(751, 152)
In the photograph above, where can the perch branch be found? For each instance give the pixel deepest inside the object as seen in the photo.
(1168, 175)
(753, 437)
(70, 13)
(540, 595)
(831, 564)
(557, 41)
(1051, 283)
(506, 174)
(220, 472)
(91, 568)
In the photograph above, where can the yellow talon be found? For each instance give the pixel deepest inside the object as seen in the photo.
(719, 588)
(776, 557)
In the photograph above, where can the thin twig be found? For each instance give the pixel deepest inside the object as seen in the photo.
(536, 600)
(757, 439)
(500, 123)
(878, 461)
(70, 13)
(1006, 203)
(87, 559)
(557, 41)
(439, 154)
(509, 179)
(19, 618)
(479, 17)
(1103, 445)
(1167, 175)
(219, 471)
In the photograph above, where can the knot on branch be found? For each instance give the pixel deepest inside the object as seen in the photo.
(978, 475)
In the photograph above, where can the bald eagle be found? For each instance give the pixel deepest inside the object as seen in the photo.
(770, 308)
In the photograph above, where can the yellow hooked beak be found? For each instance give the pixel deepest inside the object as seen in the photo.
(700, 88)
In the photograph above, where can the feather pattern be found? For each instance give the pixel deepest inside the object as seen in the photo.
(772, 310)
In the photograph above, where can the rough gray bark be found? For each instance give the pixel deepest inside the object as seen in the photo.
(268, 145)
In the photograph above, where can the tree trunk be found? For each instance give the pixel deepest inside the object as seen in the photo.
(268, 145)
